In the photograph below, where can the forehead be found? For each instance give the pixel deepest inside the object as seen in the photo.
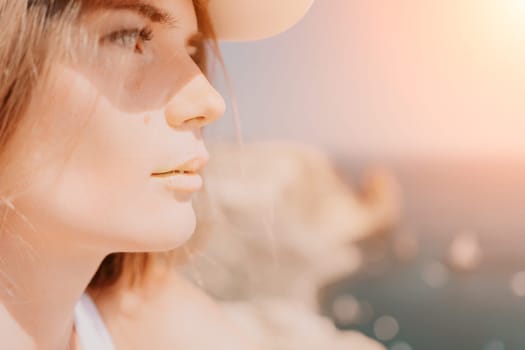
(172, 12)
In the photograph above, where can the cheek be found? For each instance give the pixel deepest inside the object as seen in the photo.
(93, 174)
(83, 137)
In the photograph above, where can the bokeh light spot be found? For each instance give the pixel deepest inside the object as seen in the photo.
(435, 274)
(401, 346)
(517, 284)
(346, 309)
(495, 345)
(386, 328)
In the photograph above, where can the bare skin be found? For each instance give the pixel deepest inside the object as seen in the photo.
(102, 130)
(167, 312)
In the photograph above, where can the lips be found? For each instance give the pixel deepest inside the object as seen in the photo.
(184, 177)
(171, 173)
(191, 166)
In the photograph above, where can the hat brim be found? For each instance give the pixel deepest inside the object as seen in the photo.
(245, 20)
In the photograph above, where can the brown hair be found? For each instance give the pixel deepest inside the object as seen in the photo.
(31, 36)
(28, 45)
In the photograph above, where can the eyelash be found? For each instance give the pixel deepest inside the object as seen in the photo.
(138, 37)
(145, 34)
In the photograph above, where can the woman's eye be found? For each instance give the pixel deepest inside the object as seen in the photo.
(133, 39)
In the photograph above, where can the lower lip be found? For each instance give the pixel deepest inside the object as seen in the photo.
(182, 182)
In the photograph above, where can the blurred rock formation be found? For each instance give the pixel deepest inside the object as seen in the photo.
(282, 223)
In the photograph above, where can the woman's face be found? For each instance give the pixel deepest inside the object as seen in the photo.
(108, 123)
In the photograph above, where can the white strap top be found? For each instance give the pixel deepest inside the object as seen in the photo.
(90, 327)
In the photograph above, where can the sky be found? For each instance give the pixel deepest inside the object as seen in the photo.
(397, 78)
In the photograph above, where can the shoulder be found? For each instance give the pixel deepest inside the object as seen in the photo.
(167, 313)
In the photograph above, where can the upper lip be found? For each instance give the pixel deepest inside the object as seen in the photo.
(192, 165)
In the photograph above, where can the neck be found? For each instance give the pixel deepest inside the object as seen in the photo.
(40, 283)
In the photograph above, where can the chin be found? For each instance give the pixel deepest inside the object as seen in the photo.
(164, 231)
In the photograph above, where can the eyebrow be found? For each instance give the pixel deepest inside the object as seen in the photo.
(149, 11)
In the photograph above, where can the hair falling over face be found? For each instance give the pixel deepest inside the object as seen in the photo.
(34, 34)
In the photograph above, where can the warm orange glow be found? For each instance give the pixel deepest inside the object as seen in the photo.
(505, 19)
(442, 77)
(407, 77)
(516, 9)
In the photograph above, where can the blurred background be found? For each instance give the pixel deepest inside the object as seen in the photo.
(430, 95)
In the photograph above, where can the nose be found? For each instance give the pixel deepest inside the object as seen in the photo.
(197, 104)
